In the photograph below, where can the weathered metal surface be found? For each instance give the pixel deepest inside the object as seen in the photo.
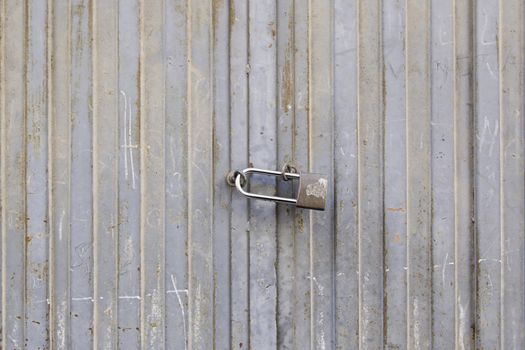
(312, 191)
(120, 120)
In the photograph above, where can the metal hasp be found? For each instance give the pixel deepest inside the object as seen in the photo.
(311, 194)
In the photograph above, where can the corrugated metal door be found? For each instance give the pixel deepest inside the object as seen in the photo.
(120, 120)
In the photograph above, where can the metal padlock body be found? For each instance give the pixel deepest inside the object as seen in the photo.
(312, 192)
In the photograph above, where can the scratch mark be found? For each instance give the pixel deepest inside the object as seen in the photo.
(61, 324)
(487, 292)
(82, 252)
(443, 32)
(154, 317)
(201, 173)
(177, 293)
(91, 299)
(14, 341)
(484, 31)
(320, 322)
(61, 224)
(128, 144)
(462, 323)
(131, 146)
(492, 135)
(417, 326)
(125, 127)
(491, 71)
(444, 267)
(321, 340)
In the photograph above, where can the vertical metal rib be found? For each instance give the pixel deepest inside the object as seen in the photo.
(419, 306)
(3, 183)
(262, 134)
(13, 128)
(487, 175)
(321, 141)
(200, 174)
(239, 250)
(511, 82)
(59, 173)
(81, 245)
(302, 244)
(345, 170)
(285, 137)
(105, 173)
(129, 298)
(463, 167)
(370, 174)
(177, 183)
(220, 166)
(442, 165)
(36, 190)
(152, 165)
(395, 172)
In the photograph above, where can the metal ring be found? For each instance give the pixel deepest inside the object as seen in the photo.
(287, 168)
(232, 176)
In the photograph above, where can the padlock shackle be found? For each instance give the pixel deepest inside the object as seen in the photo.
(247, 171)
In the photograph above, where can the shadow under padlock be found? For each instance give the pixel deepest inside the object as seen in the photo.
(311, 190)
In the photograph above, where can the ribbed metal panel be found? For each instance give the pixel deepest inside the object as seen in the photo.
(120, 120)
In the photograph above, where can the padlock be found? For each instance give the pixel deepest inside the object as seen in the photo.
(313, 188)
(312, 191)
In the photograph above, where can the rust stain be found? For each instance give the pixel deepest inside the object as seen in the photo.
(383, 90)
(34, 136)
(287, 90)
(287, 86)
(181, 8)
(78, 12)
(232, 14)
(216, 148)
(299, 223)
(402, 210)
(397, 238)
(273, 29)
(216, 7)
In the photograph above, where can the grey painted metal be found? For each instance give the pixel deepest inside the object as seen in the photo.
(418, 191)
(119, 121)
(443, 240)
